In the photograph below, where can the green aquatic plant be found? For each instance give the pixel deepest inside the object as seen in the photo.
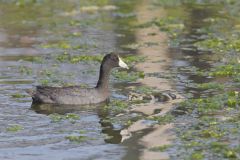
(14, 128)
(210, 105)
(72, 116)
(216, 44)
(77, 139)
(61, 45)
(133, 59)
(144, 90)
(25, 70)
(69, 116)
(220, 147)
(44, 82)
(211, 85)
(198, 155)
(119, 103)
(116, 106)
(128, 76)
(160, 148)
(65, 57)
(76, 59)
(18, 95)
(211, 133)
(56, 117)
(164, 119)
(226, 70)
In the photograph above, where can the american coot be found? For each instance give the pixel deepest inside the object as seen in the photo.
(75, 95)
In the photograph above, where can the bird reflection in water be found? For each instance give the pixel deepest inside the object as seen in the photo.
(113, 135)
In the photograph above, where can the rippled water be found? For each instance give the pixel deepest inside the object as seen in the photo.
(23, 32)
(26, 60)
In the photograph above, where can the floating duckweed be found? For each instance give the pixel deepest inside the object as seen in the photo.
(82, 131)
(159, 148)
(219, 45)
(76, 59)
(72, 116)
(46, 72)
(193, 144)
(38, 60)
(77, 139)
(116, 106)
(18, 95)
(163, 119)
(63, 57)
(206, 105)
(56, 117)
(171, 25)
(61, 45)
(25, 70)
(210, 44)
(44, 82)
(14, 128)
(226, 70)
(144, 90)
(220, 147)
(134, 59)
(119, 104)
(126, 76)
(211, 85)
(211, 133)
(230, 154)
(197, 155)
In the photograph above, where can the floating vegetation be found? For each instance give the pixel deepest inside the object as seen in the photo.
(211, 85)
(133, 59)
(77, 139)
(128, 76)
(14, 128)
(208, 129)
(198, 155)
(219, 45)
(226, 70)
(159, 148)
(25, 70)
(65, 57)
(70, 116)
(18, 95)
(61, 45)
(172, 25)
(76, 59)
(117, 106)
(162, 119)
(44, 82)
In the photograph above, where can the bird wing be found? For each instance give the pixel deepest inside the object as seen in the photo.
(52, 94)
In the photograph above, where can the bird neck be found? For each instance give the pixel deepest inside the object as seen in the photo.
(103, 77)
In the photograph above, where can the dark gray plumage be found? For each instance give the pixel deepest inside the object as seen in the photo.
(75, 95)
